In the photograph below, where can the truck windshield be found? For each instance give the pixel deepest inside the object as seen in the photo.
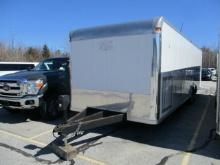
(52, 65)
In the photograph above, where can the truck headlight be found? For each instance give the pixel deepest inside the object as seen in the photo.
(33, 87)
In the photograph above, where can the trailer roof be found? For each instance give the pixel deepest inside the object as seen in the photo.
(130, 28)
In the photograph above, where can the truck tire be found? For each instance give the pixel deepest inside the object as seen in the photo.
(52, 107)
(49, 108)
(42, 110)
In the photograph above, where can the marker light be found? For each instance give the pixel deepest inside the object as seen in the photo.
(157, 29)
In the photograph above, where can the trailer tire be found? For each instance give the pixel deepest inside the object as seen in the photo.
(193, 91)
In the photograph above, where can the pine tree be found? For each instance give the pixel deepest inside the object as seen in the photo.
(45, 52)
(57, 53)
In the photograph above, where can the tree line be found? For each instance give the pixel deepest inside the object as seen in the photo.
(209, 58)
(27, 54)
(32, 54)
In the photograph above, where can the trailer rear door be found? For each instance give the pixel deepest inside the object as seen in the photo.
(121, 64)
(114, 73)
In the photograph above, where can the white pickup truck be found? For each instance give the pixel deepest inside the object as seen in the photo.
(12, 67)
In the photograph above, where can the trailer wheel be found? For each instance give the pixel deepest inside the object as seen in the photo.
(193, 91)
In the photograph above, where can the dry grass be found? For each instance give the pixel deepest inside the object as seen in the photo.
(29, 54)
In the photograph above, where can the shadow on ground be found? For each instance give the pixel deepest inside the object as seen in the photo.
(24, 116)
(176, 132)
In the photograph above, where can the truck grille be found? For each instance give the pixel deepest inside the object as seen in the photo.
(10, 88)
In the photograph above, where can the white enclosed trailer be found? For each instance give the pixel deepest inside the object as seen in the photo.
(145, 69)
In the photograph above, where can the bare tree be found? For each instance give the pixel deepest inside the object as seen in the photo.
(19, 53)
(209, 58)
(32, 54)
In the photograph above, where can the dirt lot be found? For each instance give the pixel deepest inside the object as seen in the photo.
(184, 138)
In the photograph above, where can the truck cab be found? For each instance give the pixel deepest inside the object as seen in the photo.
(37, 88)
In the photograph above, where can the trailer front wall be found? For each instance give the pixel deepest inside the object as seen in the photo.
(180, 69)
(114, 73)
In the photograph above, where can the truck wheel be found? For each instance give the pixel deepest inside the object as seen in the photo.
(52, 107)
(42, 110)
(13, 111)
(49, 108)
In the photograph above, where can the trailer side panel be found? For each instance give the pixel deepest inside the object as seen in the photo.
(180, 69)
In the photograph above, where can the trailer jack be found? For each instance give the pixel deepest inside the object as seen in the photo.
(75, 126)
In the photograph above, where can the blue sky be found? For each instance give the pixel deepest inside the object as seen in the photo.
(36, 22)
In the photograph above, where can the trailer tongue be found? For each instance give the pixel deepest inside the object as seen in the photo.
(75, 126)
